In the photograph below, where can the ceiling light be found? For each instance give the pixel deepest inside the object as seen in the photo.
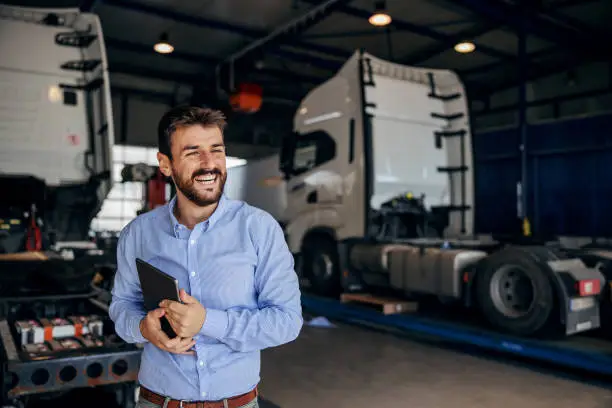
(380, 17)
(465, 47)
(163, 46)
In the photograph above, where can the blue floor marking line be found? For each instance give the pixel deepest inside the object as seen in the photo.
(591, 361)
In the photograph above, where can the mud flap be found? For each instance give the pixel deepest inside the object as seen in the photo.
(580, 310)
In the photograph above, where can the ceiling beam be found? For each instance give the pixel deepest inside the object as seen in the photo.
(184, 78)
(479, 90)
(185, 18)
(422, 30)
(142, 49)
(494, 65)
(290, 30)
(582, 43)
(468, 35)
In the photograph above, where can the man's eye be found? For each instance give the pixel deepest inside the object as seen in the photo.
(192, 153)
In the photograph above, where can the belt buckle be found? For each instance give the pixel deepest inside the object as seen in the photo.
(181, 403)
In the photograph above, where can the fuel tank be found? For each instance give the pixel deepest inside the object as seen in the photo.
(426, 268)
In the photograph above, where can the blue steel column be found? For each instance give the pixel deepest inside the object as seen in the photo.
(522, 123)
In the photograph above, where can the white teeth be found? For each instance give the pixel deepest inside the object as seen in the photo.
(208, 179)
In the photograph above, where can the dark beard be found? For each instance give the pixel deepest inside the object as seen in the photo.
(187, 186)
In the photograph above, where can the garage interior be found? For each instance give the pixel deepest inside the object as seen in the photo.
(393, 298)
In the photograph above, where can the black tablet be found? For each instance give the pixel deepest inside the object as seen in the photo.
(157, 286)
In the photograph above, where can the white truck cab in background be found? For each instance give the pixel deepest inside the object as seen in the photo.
(57, 123)
(374, 132)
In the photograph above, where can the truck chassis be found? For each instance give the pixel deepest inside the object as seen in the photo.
(24, 374)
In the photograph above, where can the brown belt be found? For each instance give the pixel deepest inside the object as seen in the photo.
(234, 402)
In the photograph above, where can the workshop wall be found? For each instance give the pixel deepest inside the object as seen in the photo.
(567, 177)
(584, 90)
(138, 103)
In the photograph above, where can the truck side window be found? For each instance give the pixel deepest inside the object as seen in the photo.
(312, 150)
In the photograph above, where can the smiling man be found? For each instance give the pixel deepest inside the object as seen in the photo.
(239, 291)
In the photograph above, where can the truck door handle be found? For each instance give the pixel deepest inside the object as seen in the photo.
(312, 197)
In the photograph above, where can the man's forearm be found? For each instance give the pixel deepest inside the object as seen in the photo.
(127, 317)
(248, 330)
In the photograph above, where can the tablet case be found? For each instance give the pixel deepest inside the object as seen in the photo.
(157, 286)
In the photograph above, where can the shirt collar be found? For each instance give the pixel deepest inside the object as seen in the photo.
(215, 216)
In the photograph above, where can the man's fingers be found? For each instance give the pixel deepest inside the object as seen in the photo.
(175, 323)
(187, 298)
(182, 346)
(157, 313)
(177, 308)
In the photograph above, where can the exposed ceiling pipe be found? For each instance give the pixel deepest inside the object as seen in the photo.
(281, 34)
(418, 29)
(198, 21)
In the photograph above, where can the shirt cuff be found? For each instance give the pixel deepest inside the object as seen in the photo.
(135, 329)
(215, 324)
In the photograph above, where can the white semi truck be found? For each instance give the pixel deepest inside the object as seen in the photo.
(56, 138)
(380, 196)
(57, 127)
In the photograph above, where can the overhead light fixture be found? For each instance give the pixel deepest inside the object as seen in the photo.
(465, 47)
(380, 17)
(163, 46)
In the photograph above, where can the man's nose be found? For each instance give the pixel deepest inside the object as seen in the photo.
(205, 159)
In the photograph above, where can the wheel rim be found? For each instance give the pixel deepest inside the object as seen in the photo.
(512, 291)
(322, 267)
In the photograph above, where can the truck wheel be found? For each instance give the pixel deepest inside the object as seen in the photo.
(514, 292)
(320, 263)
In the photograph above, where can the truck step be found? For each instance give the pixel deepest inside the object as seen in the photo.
(445, 98)
(450, 133)
(452, 169)
(78, 39)
(439, 135)
(81, 65)
(447, 117)
(385, 305)
(90, 86)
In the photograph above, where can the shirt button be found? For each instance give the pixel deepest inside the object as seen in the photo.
(192, 241)
(201, 363)
(203, 393)
(192, 273)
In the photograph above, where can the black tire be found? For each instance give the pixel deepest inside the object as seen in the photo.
(321, 265)
(515, 292)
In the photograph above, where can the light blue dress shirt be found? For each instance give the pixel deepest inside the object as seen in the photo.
(238, 266)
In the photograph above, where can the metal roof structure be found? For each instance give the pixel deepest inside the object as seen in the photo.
(301, 42)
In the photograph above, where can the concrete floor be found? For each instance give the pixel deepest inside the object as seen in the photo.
(353, 367)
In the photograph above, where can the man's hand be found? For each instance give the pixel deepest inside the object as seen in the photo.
(185, 318)
(150, 327)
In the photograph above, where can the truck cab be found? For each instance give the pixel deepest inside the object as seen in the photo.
(380, 151)
(57, 129)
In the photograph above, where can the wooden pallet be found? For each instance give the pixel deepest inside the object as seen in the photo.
(385, 305)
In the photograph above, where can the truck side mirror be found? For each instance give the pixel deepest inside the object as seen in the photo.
(286, 155)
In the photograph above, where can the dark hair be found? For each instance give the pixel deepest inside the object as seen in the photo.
(182, 116)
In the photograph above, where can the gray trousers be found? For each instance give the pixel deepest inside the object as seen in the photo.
(142, 403)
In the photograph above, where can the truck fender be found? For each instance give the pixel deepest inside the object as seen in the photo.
(313, 234)
(541, 255)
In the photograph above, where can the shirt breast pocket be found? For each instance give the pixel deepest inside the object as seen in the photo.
(230, 281)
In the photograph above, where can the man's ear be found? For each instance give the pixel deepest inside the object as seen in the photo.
(164, 164)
